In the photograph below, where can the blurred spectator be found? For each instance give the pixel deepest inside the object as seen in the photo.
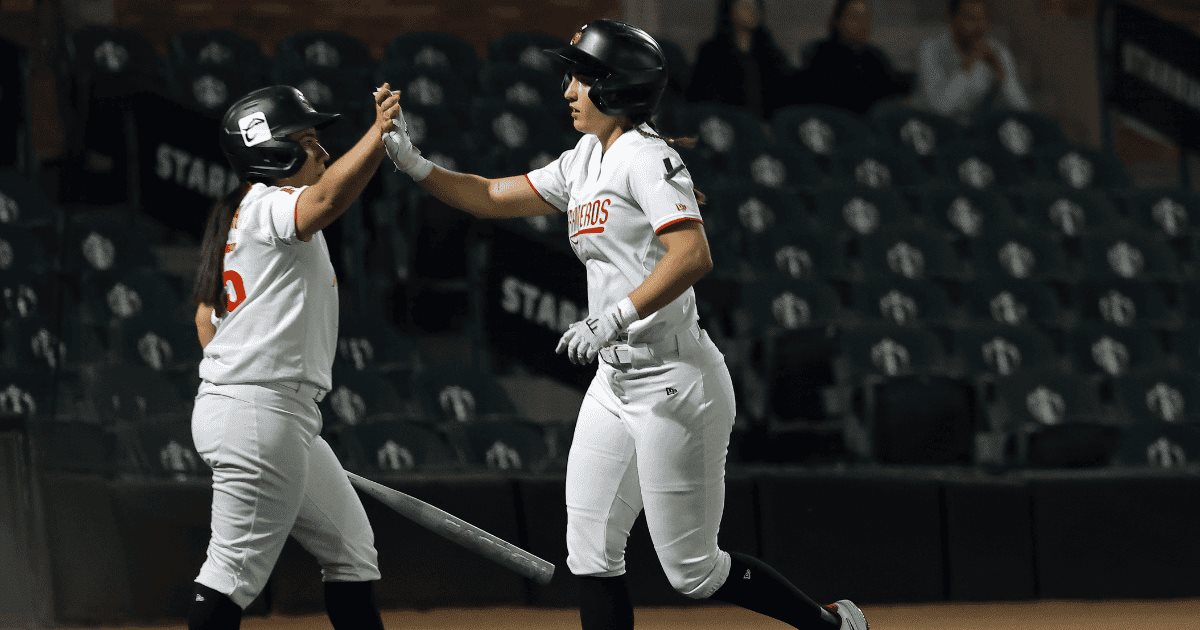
(741, 65)
(845, 70)
(965, 71)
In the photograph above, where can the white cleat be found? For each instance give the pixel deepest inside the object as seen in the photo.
(852, 616)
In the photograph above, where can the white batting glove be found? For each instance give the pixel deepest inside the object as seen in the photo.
(404, 155)
(583, 340)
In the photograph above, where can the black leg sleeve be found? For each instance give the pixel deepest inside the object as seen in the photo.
(754, 585)
(604, 603)
(351, 606)
(211, 610)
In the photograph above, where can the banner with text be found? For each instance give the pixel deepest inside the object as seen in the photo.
(1153, 73)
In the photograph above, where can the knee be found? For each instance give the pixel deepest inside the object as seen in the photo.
(698, 578)
(594, 554)
(357, 562)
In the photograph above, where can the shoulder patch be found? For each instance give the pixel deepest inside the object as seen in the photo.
(672, 170)
(287, 189)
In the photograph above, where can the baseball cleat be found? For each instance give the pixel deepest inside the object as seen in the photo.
(852, 617)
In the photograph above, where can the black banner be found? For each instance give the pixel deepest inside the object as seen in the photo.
(180, 166)
(535, 291)
(1153, 74)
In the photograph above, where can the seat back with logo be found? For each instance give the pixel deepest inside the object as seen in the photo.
(902, 301)
(872, 165)
(1159, 445)
(111, 61)
(525, 49)
(1020, 254)
(22, 202)
(859, 211)
(43, 344)
(506, 446)
(105, 241)
(358, 397)
(464, 395)
(980, 167)
(1128, 254)
(372, 344)
(125, 294)
(998, 350)
(522, 86)
(746, 215)
(161, 345)
(26, 392)
(21, 251)
(889, 350)
(167, 451)
(778, 166)
(909, 253)
(819, 130)
(502, 126)
(1017, 133)
(1067, 212)
(395, 447)
(212, 89)
(1111, 350)
(918, 132)
(1055, 419)
(1080, 167)
(1159, 396)
(727, 135)
(966, 212)
(329, 50)
(1123, 303)
(430, 88)
(1173, 213)
(1014, 302)
(788, 305)
(802, 251)
(444, 52)
(216, 48)
(35, 296)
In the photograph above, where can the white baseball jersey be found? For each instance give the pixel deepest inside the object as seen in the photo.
(281, 298)
(616, 201)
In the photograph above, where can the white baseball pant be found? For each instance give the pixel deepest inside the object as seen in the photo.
(273, 475)
(653, 434)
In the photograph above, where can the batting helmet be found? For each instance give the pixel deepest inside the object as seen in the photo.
(254, 132)
(626, 67)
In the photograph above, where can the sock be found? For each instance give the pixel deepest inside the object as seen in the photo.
(754, 585)
(211, 610)
(604, 603)
(351, 606)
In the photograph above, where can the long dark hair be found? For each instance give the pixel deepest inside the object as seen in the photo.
(724, 29)
(209, 287)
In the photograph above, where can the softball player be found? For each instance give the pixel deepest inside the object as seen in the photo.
(267, 316)
(654, 427)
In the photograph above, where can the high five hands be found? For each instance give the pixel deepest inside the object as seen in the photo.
(394, 131)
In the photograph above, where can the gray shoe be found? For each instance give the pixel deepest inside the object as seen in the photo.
(852, 616)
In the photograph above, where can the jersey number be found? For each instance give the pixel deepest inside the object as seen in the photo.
(235, 289)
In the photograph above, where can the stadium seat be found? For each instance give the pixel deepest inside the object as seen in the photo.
(525, 49)
(333, 90)
(726, 134)
(921, 133)
(1013, 302)
(116, 295)
(430, 88)
(797, 369)
(802, 251)
(859, 211)
(167, 451)
(218, 48)
(328, 50)
(999, 350)
(819, 130)
(974, 166)
(399, 447)
(522, 86)
(433, 128)
(212, 89)
(372, 344)
(966, 212)
(1017, 133)
(777, 166)
(873, 166)
(39, 296)
(1185, 346)
(1173, 213)
(1111, 350)
(1159, 445)
(157, 343)
(888, 350)
(1123, 303)
(902, 301)
(910, 253)
(788, 305)
(1067, 212)
(364, 396)
(1019, 254)
(444, 52)
(26, 392)
(506, 445)
(463, 395)
(130, 393)
(103, 241)
(1080, 168)
(501, 127)
(43, 344)
(1129, 254)
(112, 61)
(1159, 395)
(1054, 419)
(22, 251)
(22, 202)
(921, 420)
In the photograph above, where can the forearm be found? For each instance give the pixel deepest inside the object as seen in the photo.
(674, 274)
(346, 178)
(467, 192)
(205, 329)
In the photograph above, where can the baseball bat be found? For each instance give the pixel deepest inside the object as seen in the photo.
(457, 530)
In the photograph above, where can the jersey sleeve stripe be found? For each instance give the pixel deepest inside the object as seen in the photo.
(668, 224)
(535, 190)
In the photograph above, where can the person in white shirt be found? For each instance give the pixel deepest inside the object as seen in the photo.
(965, 71)
(267, 317)
(653, 429)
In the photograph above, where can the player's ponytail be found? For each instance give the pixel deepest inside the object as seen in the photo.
(687, 142)
(209, 288)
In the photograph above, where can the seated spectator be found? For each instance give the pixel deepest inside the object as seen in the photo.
(741, 65)
(845, 70)
(965, 71)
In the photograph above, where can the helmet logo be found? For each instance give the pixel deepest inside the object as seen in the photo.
(255, 129)
(576, 37)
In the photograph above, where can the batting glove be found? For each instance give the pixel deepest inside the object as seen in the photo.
(583, 340)
(404, 155)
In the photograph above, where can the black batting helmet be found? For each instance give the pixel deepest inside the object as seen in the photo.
(626, 67)
(254, 132)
